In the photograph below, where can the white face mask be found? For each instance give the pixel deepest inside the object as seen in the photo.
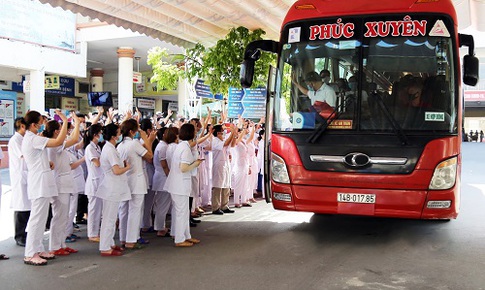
(326, 80)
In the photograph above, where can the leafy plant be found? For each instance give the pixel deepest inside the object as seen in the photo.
(219, 65)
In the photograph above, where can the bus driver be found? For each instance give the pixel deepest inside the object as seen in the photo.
(318, 90)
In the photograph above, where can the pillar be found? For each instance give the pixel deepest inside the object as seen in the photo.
(125, 78)
(96, 79)
(35, 97)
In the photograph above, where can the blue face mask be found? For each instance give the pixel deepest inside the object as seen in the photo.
(41, 129)
(119, 139)
(353, 86)
(137, 135)
(101, 139)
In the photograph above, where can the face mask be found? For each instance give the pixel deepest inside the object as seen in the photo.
(41, 128)
(101, 139)
(137, 135)
(326, 80)
(309, 87)
(81, 127)
(119, 139)
(353, 86)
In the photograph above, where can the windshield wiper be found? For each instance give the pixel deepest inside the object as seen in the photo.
(395, 125)
(334, 115)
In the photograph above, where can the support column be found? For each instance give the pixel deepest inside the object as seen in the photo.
(35, 98)
(96, 80)
(125, 78)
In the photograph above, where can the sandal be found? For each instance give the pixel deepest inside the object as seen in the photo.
(184, 244)
(163, 234)
(142, 241)
(193, 241)
(70, 240)
(134, 247)
(47, 256)
(4, 257)
(35, 261)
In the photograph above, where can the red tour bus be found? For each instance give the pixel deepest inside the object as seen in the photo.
(382, 135)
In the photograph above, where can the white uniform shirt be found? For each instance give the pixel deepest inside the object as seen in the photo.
(18, 174)
(62, 168)
(132, 151)
(95, 174)
(261, 156)
(40, 178)
(170, 151)
(221, 167)
(77, 174)
(324, 94)
(111, 186)
(159, 176)
(148, 168)
(180, 183)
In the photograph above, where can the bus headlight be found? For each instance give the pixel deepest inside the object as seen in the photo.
(444, 175)
(278, 169)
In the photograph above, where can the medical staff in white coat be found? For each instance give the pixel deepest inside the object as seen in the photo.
(253, 164)
(221, 170)
(179, 184)
(113, 188)
(92, 153)
(241, 169)
(162, 201)
(41, 186)
(147, 223)
(79, 183)
(19, 202)
(133, 152)
(62, 173)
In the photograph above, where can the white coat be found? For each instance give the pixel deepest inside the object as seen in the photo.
(132, 151)
(18, 174)
(159, 176)
(41, 182)
(92, 152)
(62, 168)
(179, 183)
(77, 174)
(112, 187)
(221, 167)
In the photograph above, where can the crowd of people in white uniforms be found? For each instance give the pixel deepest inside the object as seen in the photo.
(133, 172)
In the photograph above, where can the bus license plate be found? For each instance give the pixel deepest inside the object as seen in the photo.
(356, 197)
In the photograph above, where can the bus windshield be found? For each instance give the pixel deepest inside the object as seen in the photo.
(373, 84)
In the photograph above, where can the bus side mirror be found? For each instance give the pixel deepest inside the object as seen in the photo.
(470, 70)
(247, 73)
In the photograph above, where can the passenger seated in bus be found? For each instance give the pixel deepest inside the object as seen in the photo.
(317, 90)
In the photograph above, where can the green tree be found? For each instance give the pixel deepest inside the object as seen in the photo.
(219, 65)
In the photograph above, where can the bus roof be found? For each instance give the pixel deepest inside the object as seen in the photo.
(308, 9)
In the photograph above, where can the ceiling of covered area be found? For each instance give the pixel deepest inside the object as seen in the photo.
(183, 23)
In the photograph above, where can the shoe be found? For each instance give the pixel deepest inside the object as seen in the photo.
(94, 239)
(60, 252)
(76, 226)
(70, 250)
(237, 206)
(184, 244)
(148, 230)
(142, 241)
(20, 243)
(192, 225)
(73, 236)
(218, 212)
(35, 262)
(70, 240)
(193, 241)
(199, 210)
(117, 248)
(163, 234)
(228, 210)
(195, 221)
(4, 257)
(247, 205)
(113, 253)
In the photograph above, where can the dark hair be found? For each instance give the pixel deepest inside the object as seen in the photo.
(50, 128)
(81, 115)
(109, 131)
(146, 124)
(187, 132)
(216, 129)
(32, 117)
(171, 135)
(18, 123)
(127, 126)
(260, 134)
(90, 133)
(160, 133)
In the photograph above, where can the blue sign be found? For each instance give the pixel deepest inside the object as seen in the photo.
(204, 91)
(248, 103)
(67, 86)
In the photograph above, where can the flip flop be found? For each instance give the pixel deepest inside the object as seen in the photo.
(47, 256)
(166, 235)
(4, 257)
(135, 247)
(142, 241)
(28, 261)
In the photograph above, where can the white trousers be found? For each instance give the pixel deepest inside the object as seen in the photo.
(36, 226)
(162, 204)
(147, 211)
(95, 207)
(108, 225)
(180, 217)
(72, 213)
(60, 215)
(130, 218)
